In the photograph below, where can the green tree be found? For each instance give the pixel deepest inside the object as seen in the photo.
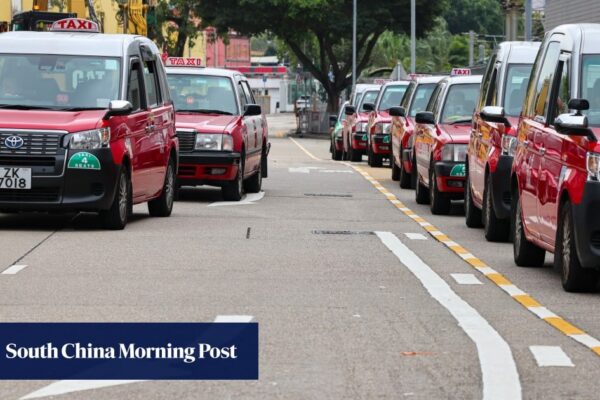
(319, 32)
(481, 16)
(174, 25)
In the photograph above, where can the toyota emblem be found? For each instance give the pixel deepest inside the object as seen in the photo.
(14, 142)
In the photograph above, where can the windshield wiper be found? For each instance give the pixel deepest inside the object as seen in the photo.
(460, 121)
(204, 111)
(24, 107)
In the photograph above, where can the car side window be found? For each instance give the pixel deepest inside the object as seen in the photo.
(435, 102)
(492, 93)
(486, 80)
(561, 91)
(242, 96)
(545, 80)
(151, 83)
(134, 86)
(248, 92)
(408, 95)
(162, 79)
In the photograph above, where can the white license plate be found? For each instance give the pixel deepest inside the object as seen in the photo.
(15, 178)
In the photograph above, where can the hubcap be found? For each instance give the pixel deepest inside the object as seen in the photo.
(566, 249)
(123, 197)
(518, 227)
(169, 186)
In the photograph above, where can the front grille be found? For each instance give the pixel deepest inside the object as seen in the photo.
(34, 143)
(27, 161)
(49, 194)
(596, 239)
(187, 141)
(185, 170)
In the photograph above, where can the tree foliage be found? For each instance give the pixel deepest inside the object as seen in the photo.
(174, 25)
(319, 32)
(481, 16)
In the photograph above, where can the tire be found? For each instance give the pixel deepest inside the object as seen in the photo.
(421, 192)
(526, 254)
(438, 202)
(405, 177)
(234, 190)
(574, 277)
(254, 183)
(336, 155)
(369, 156)
(162, 206)
(332, 150)
(395, 169)
(355, 155)
(413, 175)
(376, 160)
(495, 229)
(115, 218)
(473, 217)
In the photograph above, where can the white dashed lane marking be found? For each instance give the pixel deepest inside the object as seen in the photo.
(466, 279)
(415, 236)
(13, 269)
(550, 356)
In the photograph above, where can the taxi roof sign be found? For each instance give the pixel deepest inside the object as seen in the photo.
(460, 72)
(183, 62)
(75, 25)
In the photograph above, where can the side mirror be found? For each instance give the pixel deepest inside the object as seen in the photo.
(332, 121)
(574, 125)
(425, 117)
(397, 112)
(118, 107)
(349, 110)
(251, 110)
(579, 104)
(368, 107)
(494, 114)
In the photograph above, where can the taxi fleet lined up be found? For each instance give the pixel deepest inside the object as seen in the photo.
(90, 125)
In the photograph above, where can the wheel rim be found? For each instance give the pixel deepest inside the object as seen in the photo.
(566, 249)
(169, 186)
(123, 197)
(518, 226)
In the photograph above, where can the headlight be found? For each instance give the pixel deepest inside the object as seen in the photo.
(90, 140)
(454, 152)
(361, 126)
(509, 145)
(593, 166)
(213, 141)
(383, 128)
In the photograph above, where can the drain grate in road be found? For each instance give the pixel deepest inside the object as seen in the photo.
(327, 195)
(324, 232)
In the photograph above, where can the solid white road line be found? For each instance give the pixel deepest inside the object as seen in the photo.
(250, 198)
(550, 356)
(466, 279)
(498, 369)
(13, 269)
(415, 236)
(69, 386)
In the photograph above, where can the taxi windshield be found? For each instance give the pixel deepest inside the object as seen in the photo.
(368, 97)
(421, 98)
(58, 82)
(203, 94)
(392, 97)
(460, 103)
(517, 79)
(590, 87)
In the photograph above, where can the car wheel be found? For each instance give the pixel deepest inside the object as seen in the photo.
(421, 192)
(254, 183)
(473, 217)
(495, 229)
(336, 155)
(264, 163)
(526, 254)
(115, 218)
(376, 160)
(439, 203)
(162, 206)
(405, 177)
(332, 149)
(574, 277)
(395, 169)
(356, 155)
(234, 190)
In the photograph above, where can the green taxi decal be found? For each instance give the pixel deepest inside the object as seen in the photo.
(84, 160)
(364, 137)
(386, 139)
(458, 170)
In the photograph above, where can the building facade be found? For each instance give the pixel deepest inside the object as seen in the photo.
(558, 12)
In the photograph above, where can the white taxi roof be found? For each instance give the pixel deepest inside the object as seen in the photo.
(67, 43)
(230, 73)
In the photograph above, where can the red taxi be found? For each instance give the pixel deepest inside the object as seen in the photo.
(493, 138)
(379, 127)
(222, 133)
(442, 134)
(415, 100)
(355, 130)
(556, 169)
(89, 127)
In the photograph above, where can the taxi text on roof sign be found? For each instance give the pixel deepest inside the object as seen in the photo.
(183, 62)
(460, 71)
(75, 25)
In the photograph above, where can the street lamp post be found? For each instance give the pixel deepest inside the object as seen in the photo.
(413, 37)
(354, 16)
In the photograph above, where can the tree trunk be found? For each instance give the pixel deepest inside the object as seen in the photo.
(333, 100)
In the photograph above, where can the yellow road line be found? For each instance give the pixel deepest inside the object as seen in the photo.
(524, 299)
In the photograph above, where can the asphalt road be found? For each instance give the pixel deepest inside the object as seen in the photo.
(355, 300)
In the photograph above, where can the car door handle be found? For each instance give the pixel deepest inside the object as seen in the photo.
(542, 150)
(150, 128)
(525, 143)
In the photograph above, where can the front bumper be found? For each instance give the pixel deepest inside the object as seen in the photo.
(381, 143)
(500, 180)
(450, 177)
(359, 141)
(64, 187)
(586, 221)
(213, 168)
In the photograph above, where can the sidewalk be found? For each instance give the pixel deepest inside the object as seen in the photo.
(284, 124)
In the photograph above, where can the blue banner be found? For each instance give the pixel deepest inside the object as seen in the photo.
(140, 351)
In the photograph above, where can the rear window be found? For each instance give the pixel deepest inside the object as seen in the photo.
(392, 97)
(421, 98)
(517, 78)
(590, 87)
(460, 103)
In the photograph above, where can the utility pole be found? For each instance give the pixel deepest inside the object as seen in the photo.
(413, 37)
(354, 17)
(528, 15)
(471, 48)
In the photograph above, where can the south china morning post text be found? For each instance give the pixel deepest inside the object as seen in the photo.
(129, 351)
